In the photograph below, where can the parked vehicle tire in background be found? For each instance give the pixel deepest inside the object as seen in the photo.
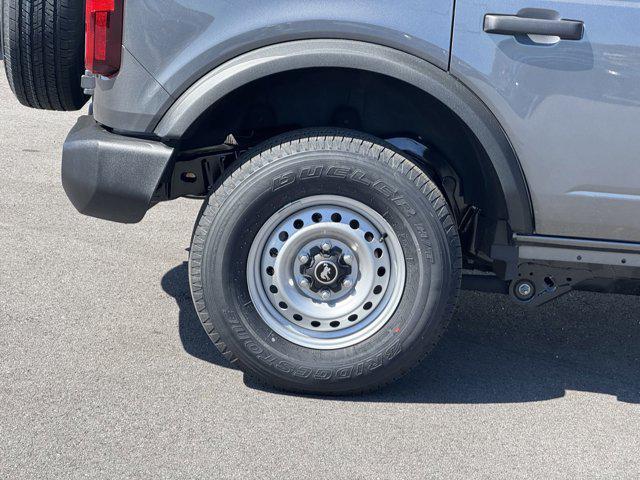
(327, 262)
(43, 45)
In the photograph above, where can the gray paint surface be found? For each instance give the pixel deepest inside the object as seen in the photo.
(571, 110)
(130, 101)
(189, 38)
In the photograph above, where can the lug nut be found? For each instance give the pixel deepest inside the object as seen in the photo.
(304, 258)
(346, 283)
(348, 259)
(326, 247)
(305, 283)
(325, 294)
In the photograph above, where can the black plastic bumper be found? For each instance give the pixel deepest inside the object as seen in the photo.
(111, 176)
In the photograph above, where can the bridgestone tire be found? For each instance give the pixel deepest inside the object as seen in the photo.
(346, 164)
(43, 45)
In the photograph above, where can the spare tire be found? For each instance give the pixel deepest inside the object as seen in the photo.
(43, 46)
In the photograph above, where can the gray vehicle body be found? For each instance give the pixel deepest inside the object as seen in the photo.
(558, 119)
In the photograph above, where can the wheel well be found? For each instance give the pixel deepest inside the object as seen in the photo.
(390, 109)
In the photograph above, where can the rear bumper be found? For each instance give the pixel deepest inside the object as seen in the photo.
(111, 176)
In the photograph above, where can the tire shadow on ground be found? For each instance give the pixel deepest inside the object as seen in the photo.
(194, 339)
(495, 351)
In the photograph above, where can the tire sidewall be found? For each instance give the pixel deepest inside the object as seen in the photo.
(290, 175)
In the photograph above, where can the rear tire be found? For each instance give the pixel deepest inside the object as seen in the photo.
(321, 187)
(43, 44)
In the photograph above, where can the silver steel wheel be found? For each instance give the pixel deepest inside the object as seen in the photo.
(326, 272)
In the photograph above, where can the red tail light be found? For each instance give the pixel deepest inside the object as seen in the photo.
(103, 36)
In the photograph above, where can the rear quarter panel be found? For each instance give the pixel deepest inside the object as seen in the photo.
(178, 41)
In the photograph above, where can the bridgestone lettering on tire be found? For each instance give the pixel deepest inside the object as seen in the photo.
(43, 43)
(332, 204)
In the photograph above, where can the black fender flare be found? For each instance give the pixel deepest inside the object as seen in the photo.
(266, 61)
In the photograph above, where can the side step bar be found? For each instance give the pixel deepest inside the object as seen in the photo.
(577, 250)
(549, 267)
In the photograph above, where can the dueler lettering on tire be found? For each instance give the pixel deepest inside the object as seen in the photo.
(356, 175)
(326, 262)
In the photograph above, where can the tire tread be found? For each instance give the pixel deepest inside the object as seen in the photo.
(256, 159)
(43, 46)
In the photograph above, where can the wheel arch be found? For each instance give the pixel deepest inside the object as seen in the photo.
(262, 63)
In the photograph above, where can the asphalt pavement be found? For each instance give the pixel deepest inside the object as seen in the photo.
(105, 371)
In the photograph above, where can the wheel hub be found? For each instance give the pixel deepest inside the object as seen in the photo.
(325, 269)
(326, 272)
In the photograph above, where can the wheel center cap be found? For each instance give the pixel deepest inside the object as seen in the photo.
(325, 272)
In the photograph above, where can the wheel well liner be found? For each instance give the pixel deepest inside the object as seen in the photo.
(304, 54)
